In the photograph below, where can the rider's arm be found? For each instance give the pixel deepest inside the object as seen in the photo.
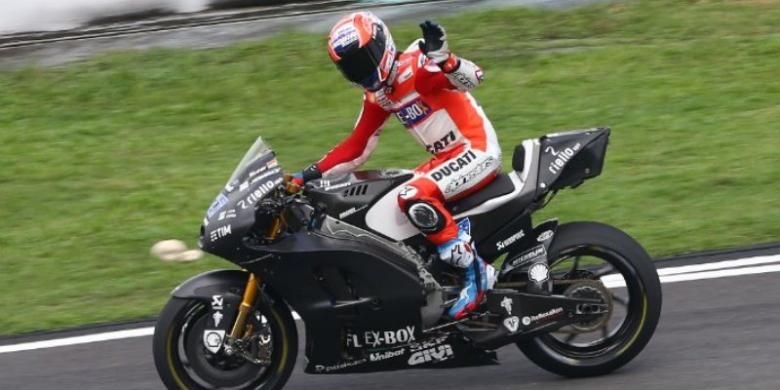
(355, 149)
(442, 69)
(455, 73)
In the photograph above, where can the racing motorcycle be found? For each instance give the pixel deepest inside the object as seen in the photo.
(579, 299)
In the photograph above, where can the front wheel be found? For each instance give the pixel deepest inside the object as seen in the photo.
(597, 261)
(183, 362)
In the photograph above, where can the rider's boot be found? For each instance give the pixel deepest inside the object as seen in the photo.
(479, 276)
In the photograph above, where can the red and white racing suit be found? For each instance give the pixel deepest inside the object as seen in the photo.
(439, 112)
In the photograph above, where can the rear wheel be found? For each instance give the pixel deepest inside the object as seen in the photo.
(597, 261)
(183, 362)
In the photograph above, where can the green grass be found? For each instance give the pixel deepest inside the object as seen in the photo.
(101, 159)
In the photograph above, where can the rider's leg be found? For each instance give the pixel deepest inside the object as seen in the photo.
(423, 202)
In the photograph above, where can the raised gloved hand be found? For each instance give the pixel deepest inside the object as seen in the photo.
(434, 44)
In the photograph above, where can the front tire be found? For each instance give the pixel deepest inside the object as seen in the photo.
(642, 303)
(183, 362)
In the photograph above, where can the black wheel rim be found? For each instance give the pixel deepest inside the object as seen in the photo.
(216, 371)
(617, 334)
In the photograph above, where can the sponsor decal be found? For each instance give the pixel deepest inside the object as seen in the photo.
(243, 186)
(408, 192)
(561, 157)
(220, 232)
(506, 303)
(480, 75)
(406, 75)
(544, 236)
(217, 317)
(271, 164)
(531, 254)
(528, 320)
(436, 355)
(337, 367)
(535, 253)
(227, 214)
(344, 37)
(454, 166)
(337, 186)
(510, 240)
(512, 324)
(380, 356)
(425, 344)
(462, 79)
(441, 144)
(263, 176)
(258, 193)
(351, 211)
(376, 339)
(413, 113)
(229, 187)
(218, 203)
(217, 302)
(212, 340)
(471, 175)
(539, 272)
(381, 98)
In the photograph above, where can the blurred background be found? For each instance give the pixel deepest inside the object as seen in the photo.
(121, 120)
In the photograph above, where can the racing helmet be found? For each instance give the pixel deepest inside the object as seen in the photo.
(362, 48)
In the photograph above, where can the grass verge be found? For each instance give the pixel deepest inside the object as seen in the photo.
(101, 159)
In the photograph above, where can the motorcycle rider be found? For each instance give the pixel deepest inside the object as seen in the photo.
(427, 88)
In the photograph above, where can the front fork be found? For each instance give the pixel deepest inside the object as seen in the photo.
(252, 289)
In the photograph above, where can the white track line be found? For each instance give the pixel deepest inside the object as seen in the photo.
(721, 269)
(86, 339)
(719, 265)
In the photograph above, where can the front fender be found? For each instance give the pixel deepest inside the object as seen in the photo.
(225, 282)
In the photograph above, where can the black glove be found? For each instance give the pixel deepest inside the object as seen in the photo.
(311, 173)
(434, 44)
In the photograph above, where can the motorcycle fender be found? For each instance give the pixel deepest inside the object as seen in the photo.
(220, 289)
(533, 249)
(507, 239)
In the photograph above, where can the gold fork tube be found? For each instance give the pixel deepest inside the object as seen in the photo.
(251, 289)
(250, 294)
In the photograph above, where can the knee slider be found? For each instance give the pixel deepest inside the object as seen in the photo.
(426, 217)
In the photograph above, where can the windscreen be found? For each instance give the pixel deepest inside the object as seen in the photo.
(232, 214)
(258, 150)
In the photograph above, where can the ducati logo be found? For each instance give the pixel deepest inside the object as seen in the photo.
(512, 324)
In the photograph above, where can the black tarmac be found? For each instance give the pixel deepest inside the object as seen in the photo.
(714, 334)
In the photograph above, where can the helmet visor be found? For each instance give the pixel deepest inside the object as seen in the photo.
(361, 65)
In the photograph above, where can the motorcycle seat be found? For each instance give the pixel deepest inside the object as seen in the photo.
(501, 185)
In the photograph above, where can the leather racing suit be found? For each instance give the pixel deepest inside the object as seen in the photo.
(440, 113)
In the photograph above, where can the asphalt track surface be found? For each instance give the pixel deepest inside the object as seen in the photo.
(714, 334)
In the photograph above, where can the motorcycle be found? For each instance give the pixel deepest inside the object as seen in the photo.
(579, 299)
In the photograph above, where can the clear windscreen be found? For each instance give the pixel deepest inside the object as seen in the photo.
(258, 150)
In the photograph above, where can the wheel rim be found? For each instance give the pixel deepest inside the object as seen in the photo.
(627, 299)
(218, 371)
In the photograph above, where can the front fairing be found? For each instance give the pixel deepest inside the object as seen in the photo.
(232, 214)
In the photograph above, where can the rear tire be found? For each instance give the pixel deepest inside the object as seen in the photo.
(178, 353)
(643, 310)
